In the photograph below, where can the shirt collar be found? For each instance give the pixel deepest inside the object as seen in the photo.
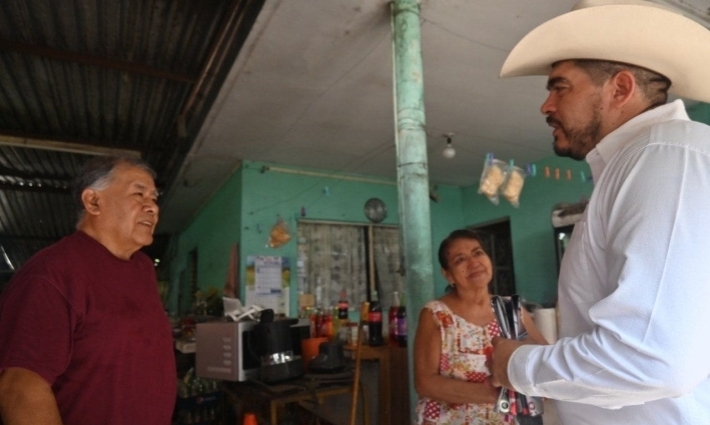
(598, 157)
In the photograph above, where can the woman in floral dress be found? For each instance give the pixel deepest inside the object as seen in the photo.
(453, 340)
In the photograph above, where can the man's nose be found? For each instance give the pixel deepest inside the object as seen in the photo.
(547, 106)
(151, 206)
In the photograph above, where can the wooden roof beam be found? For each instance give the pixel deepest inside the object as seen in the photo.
(86, 59)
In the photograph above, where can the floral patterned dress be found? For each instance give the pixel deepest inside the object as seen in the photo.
(464, 347)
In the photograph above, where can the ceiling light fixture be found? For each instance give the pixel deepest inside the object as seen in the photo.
(449, 151)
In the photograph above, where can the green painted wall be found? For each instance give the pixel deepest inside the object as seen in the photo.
(274, 194)
(446, 215)
(699, 112)
(253, 199)
(213, 232)
(531, 227)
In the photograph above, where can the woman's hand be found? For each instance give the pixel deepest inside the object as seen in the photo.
(503, 349)
(491, 390)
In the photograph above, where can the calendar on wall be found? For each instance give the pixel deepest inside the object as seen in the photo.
(267, 282)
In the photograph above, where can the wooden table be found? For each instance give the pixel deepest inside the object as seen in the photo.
(381, 354)
(399, 371)
(280, 395)
(253, 394)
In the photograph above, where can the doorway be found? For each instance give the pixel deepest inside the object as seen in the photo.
(188, 284)
(499, 246)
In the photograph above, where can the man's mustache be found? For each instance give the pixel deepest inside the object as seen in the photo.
(551, 121)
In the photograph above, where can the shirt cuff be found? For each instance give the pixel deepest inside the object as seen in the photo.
(517, 369)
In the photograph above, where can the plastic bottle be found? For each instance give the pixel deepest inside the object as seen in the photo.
(342, 316)
(401, 321)
(343, 306)
(374, 322)
(392, 319)
(336, 323)
(326, 324)
(315, 328)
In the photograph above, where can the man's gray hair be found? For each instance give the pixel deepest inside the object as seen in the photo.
(653, 85)
(97, 174)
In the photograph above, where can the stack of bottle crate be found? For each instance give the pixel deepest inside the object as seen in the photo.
(199, 402)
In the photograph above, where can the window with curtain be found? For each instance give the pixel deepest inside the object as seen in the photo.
(389, 263)
(333, 257)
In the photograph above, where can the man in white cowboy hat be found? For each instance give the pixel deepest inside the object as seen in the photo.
(634, 287)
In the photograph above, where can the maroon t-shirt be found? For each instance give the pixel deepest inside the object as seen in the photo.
(93, 326)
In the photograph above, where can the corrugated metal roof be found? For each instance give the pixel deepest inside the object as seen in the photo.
(104, 75)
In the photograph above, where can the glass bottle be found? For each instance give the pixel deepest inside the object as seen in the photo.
(341, 318)
(392, 319)
(401, 322)
(374, 322)
(343, 306)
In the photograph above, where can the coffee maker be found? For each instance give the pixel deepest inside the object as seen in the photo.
(273, 344)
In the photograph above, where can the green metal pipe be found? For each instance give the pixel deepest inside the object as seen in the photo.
(412, 167)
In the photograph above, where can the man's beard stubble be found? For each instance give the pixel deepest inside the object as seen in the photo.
(579, 141)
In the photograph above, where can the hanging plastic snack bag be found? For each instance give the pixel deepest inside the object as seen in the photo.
(279, 234)
(492, 178)
(513, 185)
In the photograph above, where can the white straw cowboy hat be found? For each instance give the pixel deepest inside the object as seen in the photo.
(635, 32)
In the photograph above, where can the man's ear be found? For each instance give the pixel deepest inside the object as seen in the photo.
(90, 199)
(623, 85)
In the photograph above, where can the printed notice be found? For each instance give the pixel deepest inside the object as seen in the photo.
(267, 282)
(267, 275)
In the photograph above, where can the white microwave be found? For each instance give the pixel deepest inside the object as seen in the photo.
(225, 350)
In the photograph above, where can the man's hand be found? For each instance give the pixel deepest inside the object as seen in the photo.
(498, 364)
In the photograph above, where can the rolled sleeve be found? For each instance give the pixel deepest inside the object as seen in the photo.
(518, 369)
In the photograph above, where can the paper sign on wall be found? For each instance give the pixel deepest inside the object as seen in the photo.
(267, 282)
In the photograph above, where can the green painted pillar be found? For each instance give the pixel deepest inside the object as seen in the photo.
(412, 168)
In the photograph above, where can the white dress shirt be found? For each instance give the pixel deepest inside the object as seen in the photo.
(634, 287)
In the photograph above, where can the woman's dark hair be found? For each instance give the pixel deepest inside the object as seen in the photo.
(97, 173)
(454, 236)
